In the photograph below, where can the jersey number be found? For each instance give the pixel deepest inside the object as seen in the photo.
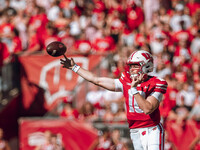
(133, 105)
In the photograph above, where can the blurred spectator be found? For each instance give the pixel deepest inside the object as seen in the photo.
(183, 34)
(149, 8)
(33, 42)
(108, 115)
(61, 22)
(8, 32)
(87, 112)
(104, 45)
(6, 26)
(127, 37)
(195, 112)
(38, 18)
(196, 72)
(182, 52)
(179, 74)
(95, 97)
(47, 145)
(195, 45)
(4, 54)
(117, 140)
(75, 29)
(186, 96)
(20, 21)
(135, 15)
(169, 101)
(179, 114)
(53, 11)
(193, 6)
(82, 45)
(172, 91)
(120, 115)
(141, 36)
(157, 46)
(49, 34)
(163, 15)
(57, 142)
(184, 104)
(3, 143)
(115, 24)
(112, 98)
(178, 17)
(66, 38)
(51, 142)
(14, 43)
(117, 68)
(162, 66)
(92, 33)
(104, 141)
(69, 111)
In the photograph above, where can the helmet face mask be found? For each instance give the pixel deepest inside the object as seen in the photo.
(142, 58)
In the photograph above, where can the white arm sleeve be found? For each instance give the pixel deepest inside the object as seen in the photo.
(157, 95)
(118, 86)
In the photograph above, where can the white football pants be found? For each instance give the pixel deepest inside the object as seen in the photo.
(150, 138)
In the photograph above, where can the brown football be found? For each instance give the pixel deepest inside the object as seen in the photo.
(56, 49)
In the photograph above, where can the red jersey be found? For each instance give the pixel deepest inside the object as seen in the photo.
(135, 116)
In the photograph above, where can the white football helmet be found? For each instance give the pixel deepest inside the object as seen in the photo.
(142, 58)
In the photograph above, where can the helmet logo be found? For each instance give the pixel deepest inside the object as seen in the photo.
(146, 55)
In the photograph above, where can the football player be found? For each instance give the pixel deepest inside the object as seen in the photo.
(142, 93)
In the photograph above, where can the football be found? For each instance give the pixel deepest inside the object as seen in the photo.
(56, 49)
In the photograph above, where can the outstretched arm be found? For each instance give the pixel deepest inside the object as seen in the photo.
(107, 83)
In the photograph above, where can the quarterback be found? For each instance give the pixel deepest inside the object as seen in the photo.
(142, 93)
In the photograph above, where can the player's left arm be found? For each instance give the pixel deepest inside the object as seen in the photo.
(152, 102)
(148, 105)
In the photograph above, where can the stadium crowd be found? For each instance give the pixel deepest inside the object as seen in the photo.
(169, 29)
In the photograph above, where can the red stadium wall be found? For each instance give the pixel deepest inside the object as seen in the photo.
(75, 135)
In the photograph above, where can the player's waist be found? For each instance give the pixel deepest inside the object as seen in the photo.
(142, 123)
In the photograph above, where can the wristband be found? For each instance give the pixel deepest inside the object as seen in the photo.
(133, 91)
(75, 68)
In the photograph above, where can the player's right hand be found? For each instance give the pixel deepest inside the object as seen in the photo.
(137, 80)
(67, 63)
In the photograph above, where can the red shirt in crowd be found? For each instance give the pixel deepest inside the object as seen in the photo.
(6, 29)
(38, 21)
(178, 51)
(193, 7)
(140, 39)
(99, 6)
(182, 35)
(135, 17)
(83, 46)
(16, 44)
(104, 44)
(33, 41)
